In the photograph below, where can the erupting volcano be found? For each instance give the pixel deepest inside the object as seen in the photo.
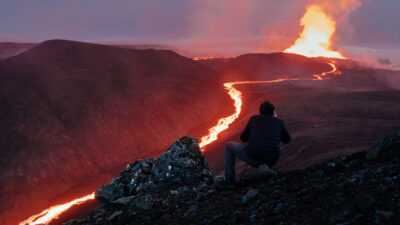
(315, 39)
(101, 106)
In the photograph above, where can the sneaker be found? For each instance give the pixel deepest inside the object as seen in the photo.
(225, 183)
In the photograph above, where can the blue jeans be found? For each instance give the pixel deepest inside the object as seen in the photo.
(232, 150)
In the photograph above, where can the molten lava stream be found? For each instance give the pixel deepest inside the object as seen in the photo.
(333, 71)
(210, 57)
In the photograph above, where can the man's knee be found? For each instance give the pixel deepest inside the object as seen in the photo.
(229, 145)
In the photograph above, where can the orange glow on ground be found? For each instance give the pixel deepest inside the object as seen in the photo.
(47, 215)
(211, 57)
(315, 39)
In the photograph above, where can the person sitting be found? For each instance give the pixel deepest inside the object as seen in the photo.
(263, 134)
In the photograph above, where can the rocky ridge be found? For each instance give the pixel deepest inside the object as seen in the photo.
(182, 163)
(176, 188)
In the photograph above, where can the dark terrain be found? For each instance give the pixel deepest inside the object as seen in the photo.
(74, 114)
(361, 188)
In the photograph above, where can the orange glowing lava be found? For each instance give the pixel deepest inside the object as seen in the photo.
(47, 215)
(211, 57)
(333, 71)
(315, 39)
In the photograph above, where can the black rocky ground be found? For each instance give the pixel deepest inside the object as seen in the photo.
(362, 188)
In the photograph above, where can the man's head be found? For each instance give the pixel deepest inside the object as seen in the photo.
(267, 108)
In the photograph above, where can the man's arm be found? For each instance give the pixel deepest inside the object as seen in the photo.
(246, 133)
(285, 137)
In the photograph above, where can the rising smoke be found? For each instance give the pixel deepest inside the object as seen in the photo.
(229, 28)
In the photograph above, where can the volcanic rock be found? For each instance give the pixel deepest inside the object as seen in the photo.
(182, 163)
(264, 171)
(124, 201)
(114, 215)
(307, 196)
(250, 195)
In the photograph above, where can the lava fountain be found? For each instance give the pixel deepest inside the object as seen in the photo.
(315, 39)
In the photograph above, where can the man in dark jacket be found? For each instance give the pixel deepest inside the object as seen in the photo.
(263, 133)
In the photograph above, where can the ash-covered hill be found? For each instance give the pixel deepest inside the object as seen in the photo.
(9, 49)
(267, 66)
(362, 188)
(69, 110)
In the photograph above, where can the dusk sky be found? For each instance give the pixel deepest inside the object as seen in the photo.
(223, 27)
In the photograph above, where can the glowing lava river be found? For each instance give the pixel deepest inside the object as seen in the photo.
(53, 212)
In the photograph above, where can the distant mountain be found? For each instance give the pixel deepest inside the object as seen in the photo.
(70, 109)
(8, 49)
(272, 66)
(267, 66)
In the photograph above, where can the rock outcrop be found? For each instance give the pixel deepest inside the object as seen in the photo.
(182, 163)
(352, 189)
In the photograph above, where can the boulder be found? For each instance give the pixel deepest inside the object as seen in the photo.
(250, 195)
(182, 163)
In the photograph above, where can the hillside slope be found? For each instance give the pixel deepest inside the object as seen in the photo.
(9, 49)
(71, 109)
(262, 66)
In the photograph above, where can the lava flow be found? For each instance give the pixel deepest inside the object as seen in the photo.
(211, 57)
(47, 215)
(333, 71)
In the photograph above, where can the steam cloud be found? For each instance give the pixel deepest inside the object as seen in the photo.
(214, 23)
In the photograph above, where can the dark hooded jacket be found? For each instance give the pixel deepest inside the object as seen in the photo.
(264, 134)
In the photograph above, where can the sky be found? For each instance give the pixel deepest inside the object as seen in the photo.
(369, 28)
